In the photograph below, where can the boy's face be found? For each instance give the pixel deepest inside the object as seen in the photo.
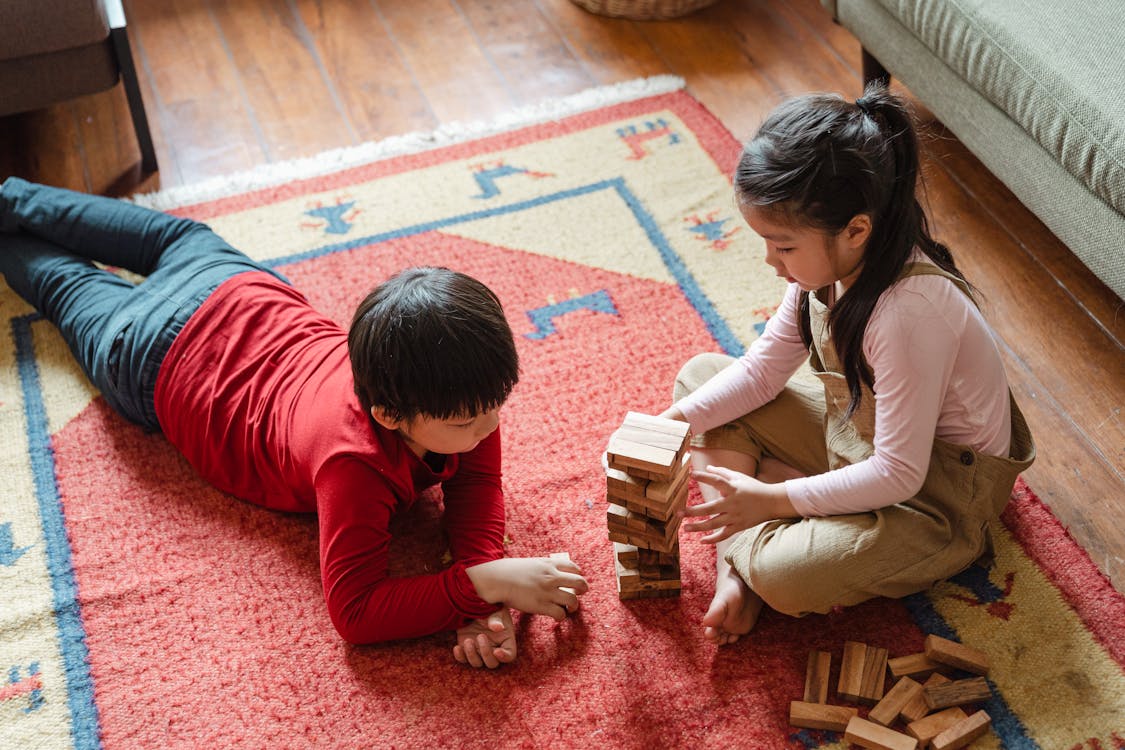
(455, 435)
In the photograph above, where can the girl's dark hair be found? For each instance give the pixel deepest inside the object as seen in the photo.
(433, 342)
(819, 161)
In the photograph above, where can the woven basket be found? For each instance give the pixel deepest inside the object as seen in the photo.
(643, 10)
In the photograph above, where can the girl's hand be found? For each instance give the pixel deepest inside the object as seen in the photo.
(743, 502)
(537, 585)
(487, 643)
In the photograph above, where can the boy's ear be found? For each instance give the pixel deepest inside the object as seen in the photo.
(381, 416)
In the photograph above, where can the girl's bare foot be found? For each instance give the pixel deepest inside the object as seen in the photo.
(734, 610)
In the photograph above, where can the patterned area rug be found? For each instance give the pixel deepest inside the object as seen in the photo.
(140, 608)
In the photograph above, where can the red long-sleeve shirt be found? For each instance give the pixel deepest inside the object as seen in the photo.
(257, 393)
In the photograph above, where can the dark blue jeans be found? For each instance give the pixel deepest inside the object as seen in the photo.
(119, 332)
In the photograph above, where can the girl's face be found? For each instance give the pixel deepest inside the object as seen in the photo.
(457, 435)
(806, 256)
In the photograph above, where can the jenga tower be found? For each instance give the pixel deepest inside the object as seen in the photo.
(646, 484)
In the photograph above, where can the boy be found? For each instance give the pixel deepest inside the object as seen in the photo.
(274, 403)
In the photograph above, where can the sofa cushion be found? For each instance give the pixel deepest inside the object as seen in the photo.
(1056, 68)
(36, 27)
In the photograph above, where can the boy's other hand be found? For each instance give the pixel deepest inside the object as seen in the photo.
(487, 643)
(537, 585)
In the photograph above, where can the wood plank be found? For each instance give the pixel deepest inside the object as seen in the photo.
(295, 107)
(198, 109)
(720, 65)
(372, 81)
(609, 49)
(528, 52)
(444, 57)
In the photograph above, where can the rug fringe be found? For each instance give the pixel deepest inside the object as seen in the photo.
(267, 175)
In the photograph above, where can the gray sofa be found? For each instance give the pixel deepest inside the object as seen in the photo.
(1034, 88)
(55, 50)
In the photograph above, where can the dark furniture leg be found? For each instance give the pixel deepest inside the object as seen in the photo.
(129, 80)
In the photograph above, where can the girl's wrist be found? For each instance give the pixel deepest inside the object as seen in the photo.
(779, 503)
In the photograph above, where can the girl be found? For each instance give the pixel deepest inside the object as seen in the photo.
(883, 479)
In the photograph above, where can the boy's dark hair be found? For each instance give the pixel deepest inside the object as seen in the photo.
(819, 161)
(434, 342)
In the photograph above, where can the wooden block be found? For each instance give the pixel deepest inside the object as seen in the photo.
(816, 679)
(654, 557)
(655, 438)
(656, 424)
(957, 693)
(916, 666)
(659, 572)
(871, 735)
(665, 490)
(820, 716)
(627, 554)
(624, 485)
(874, 675)
(626, 577)
(850, 684)
(662, 545)
(916, 708)
(626, 455)
(926, 728)
(888, 709)
(647, 594)
(963, 732)
(956, 654)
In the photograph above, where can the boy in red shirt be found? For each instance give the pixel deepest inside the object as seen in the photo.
(274, 403)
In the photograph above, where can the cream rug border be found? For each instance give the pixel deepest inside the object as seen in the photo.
(269, 175)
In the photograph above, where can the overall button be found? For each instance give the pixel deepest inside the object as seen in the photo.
(967, 458)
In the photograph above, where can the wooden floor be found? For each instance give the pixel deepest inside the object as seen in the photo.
(230, 84)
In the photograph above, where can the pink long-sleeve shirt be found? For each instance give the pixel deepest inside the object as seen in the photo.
(937, 373)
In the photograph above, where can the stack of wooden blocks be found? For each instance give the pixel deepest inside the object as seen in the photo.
(647, 472)
(932, 711)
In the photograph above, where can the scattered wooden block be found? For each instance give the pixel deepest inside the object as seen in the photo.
(916, 708)
(820, 716)
(928, 727)
(889, 708)
(874, 675)
(915, 666)
(963, 732)
(816, 679)
(957, 693)
(871, 735)
(956, 654)
(850, 684)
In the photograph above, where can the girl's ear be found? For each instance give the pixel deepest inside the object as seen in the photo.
(381, 416)
(858, 231)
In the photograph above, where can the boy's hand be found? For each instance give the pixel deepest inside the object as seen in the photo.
(537, 585)
(487, 643)
(743, 502)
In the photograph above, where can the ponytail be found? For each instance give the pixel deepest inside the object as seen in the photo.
(821, 161)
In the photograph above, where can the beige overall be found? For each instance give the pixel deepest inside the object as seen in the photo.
(799, 566)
